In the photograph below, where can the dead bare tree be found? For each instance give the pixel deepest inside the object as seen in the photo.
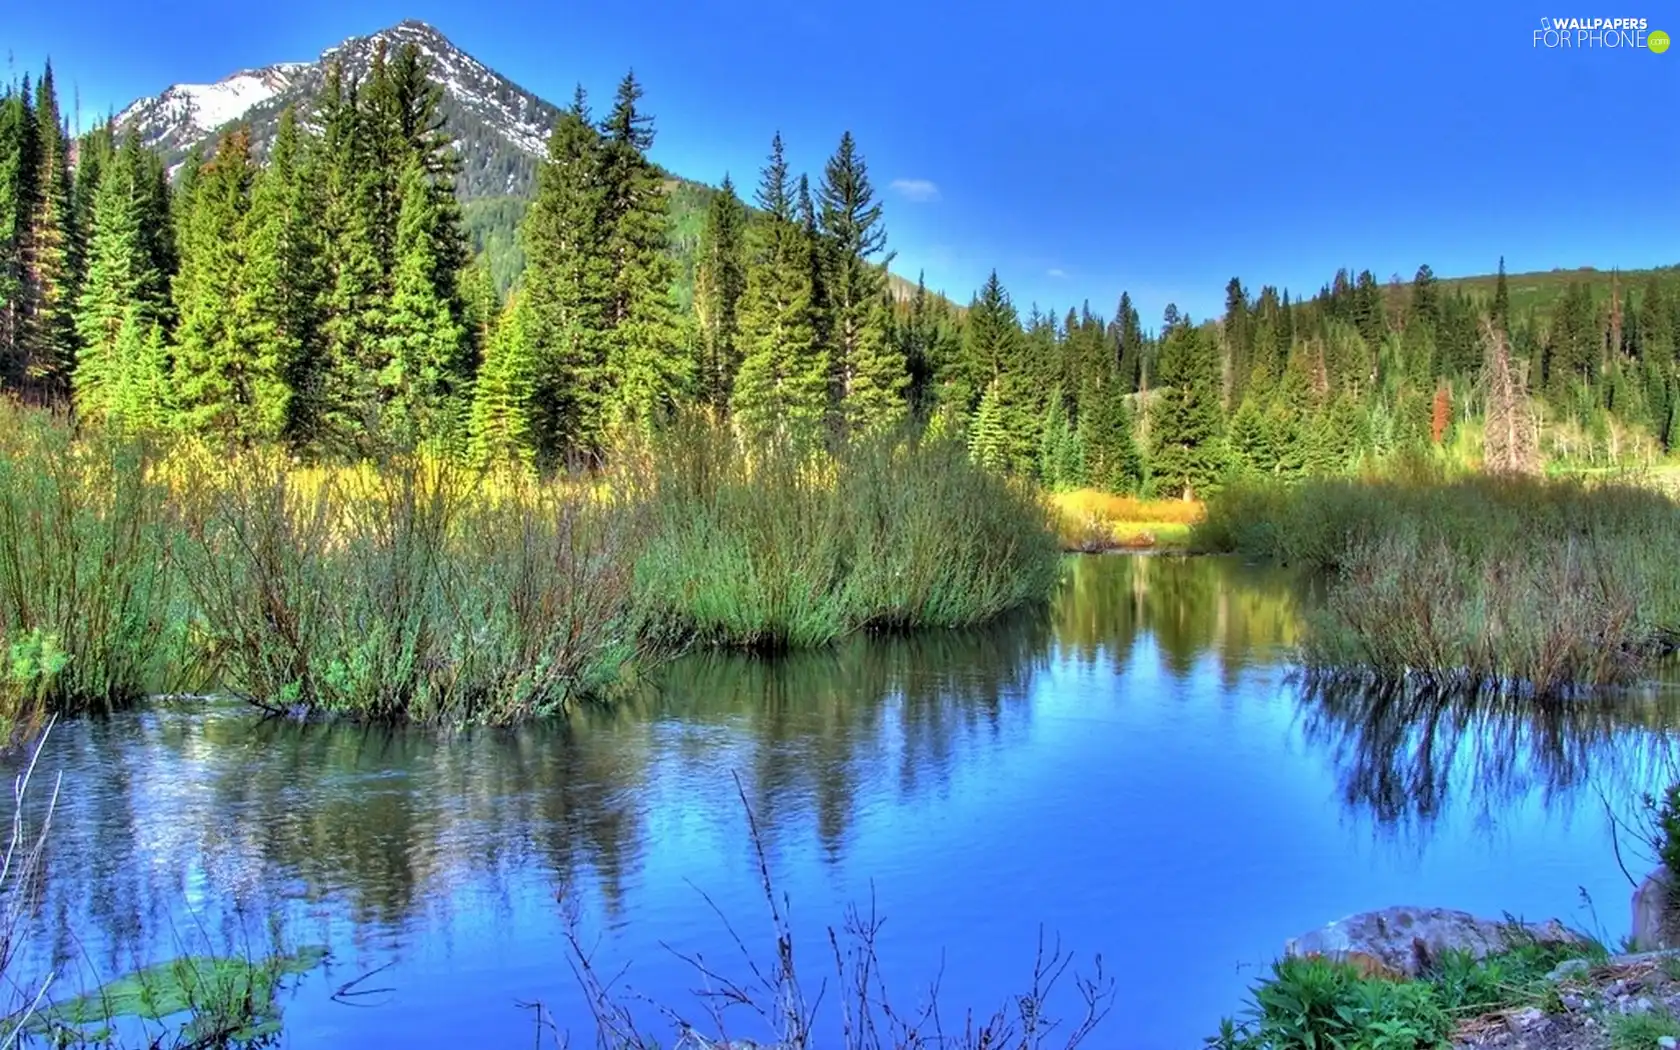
(1511, 439)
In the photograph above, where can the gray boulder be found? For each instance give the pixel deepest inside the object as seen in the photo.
(1403, 941)
(1653, 926)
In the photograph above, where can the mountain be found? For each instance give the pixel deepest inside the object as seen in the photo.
(500, 128)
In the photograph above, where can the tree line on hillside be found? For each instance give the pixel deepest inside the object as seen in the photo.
(327, 298)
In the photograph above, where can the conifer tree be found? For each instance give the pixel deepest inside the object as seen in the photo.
(781, 388)
(141, 396)
(869, 373)
(647, 366)
(18, 183)
(345, 400)
(1186, 423)
(1112, 459)
(120, 293)
(719, 283)
(421, 374)
(566, 287)
(277, 308)
(1501, 315)
(225, 386)
(48, 332)
(499, 429)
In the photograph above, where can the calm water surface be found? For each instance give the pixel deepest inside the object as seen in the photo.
(1135, 770)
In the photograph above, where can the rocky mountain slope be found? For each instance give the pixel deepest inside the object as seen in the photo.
(501, 129)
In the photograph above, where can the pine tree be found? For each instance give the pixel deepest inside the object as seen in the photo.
(421, 375)
(566, 288)
(142, 396)
(48, 331)
(224, 385)
(647, 368)
(781, 388)
(19, 181)
(1112, 458)
(719, 282)
(869, 373)
(1186, 422)
(1501, 315)
(344, 401)
(991, 347)
(278, 305)
(120, 293)
(499, 429)
(990, 441)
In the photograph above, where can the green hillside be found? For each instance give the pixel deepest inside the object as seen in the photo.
(1537, 291)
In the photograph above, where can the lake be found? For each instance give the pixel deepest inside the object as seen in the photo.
(1136, 769)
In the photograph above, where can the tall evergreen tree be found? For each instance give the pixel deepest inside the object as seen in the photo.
(648, 364)
(720, 280)
(225, 385)
(48, 332)
(1186, 423)
(122, 290)
(499, 428)
(19, 181)
(869, 373)
(566, 288)
(781, 388)
(421, 376)
(277, 310)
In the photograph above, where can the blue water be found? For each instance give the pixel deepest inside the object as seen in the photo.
(1135, 770)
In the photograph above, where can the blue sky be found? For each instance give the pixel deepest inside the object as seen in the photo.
(1081, 147)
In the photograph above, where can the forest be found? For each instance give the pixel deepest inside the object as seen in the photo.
(329, 299)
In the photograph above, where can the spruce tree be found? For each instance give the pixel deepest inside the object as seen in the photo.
(420, 377)
(344, 397)
(141, 395)
(120, 293)
(647, 368)
(1501, 315)
(499, 428)
(1186, 422)
(18, 183)
(278, 305)
(48, 331)
(1112, 458)
(719, 282)
(225, 386)
(781, 388)
(566, 288)
(869, 373)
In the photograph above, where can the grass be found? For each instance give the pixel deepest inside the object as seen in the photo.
(772, 549)
(1308, 1003)
(87, 588)
(1090, 521)
(416, 590)
(1477, 582)
(1642, 1031)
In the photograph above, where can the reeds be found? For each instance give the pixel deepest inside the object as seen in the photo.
(771, 548)
(1484, 582)
(415, 589)
(87, 581)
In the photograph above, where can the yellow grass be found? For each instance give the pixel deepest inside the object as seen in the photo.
(1092, 520)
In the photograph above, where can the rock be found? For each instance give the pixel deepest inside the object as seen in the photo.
(1572, 1002)
(1642, 1005)
(1403, 941)
(1568, 968)
(1650, 912)
(1667, 1042)
(1520, 1021)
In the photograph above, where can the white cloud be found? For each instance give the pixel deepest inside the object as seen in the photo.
(921, 191)
(1056, 273)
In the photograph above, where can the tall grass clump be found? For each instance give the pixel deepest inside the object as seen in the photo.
(87, 585)
(1482, 582)
(398, 595)
(774, 547)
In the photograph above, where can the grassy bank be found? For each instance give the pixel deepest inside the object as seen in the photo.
(418, 590)
(1307, 1003)
(1089, 521)
(1477, 582)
